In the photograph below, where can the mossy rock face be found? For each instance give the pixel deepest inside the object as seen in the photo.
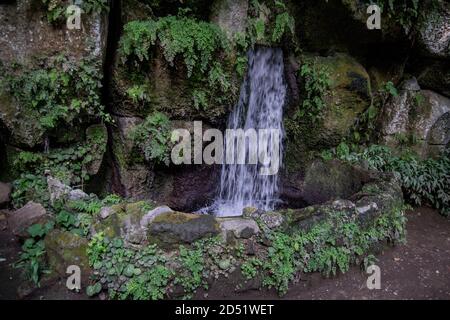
(168, 90)
(25, 129)
(332, 179)
(173, 228)
(24, 35)
(348, 96)
(63, 249)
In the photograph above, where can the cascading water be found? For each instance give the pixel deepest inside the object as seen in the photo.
(260, 106)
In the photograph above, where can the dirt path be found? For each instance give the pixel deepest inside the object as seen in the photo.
(418, 270)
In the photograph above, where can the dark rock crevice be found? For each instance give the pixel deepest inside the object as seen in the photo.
(109, 176)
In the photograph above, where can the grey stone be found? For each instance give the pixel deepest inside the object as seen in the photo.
(57, 189)
(21, 219)
(77, 194)
(239, 227)
(272, 219)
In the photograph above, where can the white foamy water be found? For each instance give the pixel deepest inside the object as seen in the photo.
(260, 106)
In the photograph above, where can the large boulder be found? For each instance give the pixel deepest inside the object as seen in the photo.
(64, 249)
(348, 96)
(174, 228)
(383, 195)
(418, 116)
(20, 220)
(237, 228)
(331, 180)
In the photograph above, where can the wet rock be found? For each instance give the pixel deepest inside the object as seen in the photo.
(20, 220)
(348, 96)
(329, 180)
(238, 227)
(77, 194)
(439, 135)
(173, 228)
(63, 249)
(136, 177)
(5, 194)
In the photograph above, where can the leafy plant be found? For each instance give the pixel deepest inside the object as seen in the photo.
(32, 257)
(316, 82)
(192, 262)
(58, 92)
(422, 180)
(29, 187)
(250, 268)
(149, 285)
(96, 248)
(152, 137)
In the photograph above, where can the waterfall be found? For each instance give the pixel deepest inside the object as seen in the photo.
(260, 106)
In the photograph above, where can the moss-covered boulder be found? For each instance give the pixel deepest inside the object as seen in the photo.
(332, 179)
(173, 228)
(64, 249)
(124, 220)
(347, 96)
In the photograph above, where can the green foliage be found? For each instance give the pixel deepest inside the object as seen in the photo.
(152, 137)
(96, 248)
(269, 21)
(67, 220)
(150, 285)
(280, 265)
(390, 89)
(201, 46)
(196, 42)
(316, 82)
(138, 93)
(59, 92)
(423, 181)
(283, 22)
(32, 257)
(250, 267)
(190, 277)
(29, 187)
(94, 289)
